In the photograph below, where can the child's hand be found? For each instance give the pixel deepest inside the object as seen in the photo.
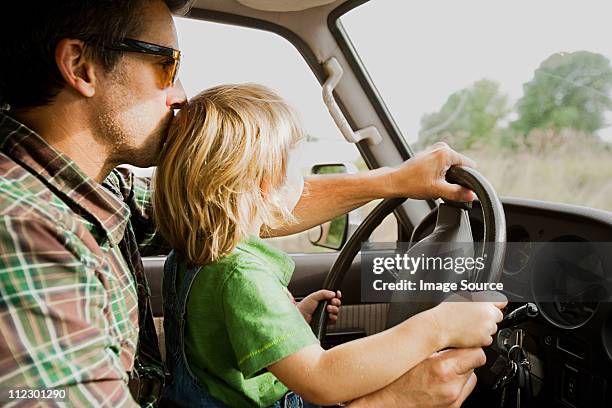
(308, 305)
(467, 323)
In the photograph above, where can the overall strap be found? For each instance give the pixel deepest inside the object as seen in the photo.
(175, 308)
(184, 289)
(175, 297)
(169, 282)
(171, 315)
(183, 388)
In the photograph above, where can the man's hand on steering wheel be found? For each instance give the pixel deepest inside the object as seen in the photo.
(424, 175)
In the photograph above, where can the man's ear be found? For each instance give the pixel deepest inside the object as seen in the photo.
(76, 68)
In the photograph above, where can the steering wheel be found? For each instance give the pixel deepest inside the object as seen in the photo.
(494, 232)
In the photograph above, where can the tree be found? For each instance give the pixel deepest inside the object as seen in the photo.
(568, 91)
(468, 115)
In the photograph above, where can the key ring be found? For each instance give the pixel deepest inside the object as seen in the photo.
(512, 372)
(514, 347)
(514, 369)
(521, 351)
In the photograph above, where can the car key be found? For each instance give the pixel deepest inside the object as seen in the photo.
(507, 375)
(523, 376)
(516, 374)
(505, 378)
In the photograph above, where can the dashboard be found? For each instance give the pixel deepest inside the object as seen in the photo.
(570, 343)
(560, 258)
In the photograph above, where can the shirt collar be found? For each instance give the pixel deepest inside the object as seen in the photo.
(58, 171)
(283, 263)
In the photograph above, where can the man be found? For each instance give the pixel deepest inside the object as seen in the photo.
(90, 85)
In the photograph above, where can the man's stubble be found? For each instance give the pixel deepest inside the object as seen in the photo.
(125, 125)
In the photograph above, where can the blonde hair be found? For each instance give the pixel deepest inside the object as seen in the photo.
(222, 147)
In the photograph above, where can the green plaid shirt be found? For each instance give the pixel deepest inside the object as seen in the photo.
(70, 273)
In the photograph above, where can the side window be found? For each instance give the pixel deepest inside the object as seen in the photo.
(248, 55)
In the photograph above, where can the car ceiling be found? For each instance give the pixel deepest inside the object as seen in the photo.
(284, 5)
(265, 5)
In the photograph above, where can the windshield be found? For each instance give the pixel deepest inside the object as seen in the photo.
(522, 87)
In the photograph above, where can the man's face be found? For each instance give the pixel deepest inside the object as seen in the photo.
(132, 110)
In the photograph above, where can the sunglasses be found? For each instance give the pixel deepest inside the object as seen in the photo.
(169, 68)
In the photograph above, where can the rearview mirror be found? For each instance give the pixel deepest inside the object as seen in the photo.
(332, 234)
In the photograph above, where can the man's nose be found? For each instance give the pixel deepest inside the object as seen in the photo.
(176, 96)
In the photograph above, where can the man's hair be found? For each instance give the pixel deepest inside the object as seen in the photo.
(222, 147)
(30, 32)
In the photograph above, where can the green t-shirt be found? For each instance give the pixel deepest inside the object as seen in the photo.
(241, 320)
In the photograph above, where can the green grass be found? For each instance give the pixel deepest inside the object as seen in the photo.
(568, 167)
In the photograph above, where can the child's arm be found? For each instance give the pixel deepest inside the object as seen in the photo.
(357, 368)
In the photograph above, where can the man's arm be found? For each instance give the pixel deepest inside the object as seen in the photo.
(422, 177)
(444, 380)
(55, 318)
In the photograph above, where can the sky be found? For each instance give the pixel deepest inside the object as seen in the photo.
(428, 49)
(417, 52)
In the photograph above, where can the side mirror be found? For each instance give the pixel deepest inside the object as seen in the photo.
(334, 168)
(332, 234)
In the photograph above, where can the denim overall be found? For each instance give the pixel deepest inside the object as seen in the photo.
(183, 389)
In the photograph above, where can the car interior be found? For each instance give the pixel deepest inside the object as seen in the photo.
(569, 348)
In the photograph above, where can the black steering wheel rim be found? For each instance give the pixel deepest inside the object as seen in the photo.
(495, 231)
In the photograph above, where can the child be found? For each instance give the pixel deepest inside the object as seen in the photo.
(232, 330)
